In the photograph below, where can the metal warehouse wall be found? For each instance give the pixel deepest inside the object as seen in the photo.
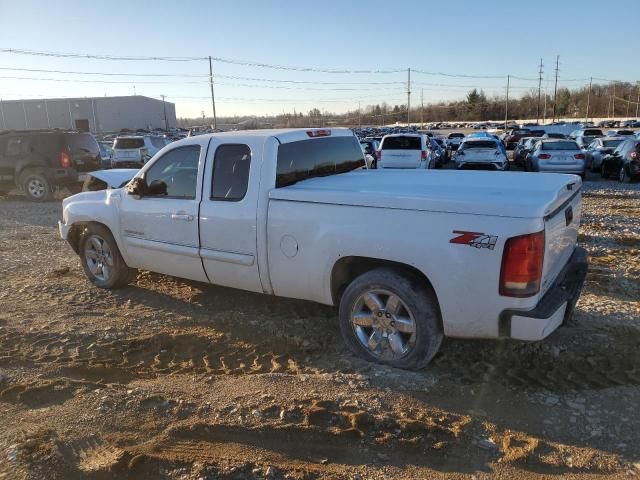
(102, 114)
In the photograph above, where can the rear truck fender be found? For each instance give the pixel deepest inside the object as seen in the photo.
(83, 209)
(468, 298)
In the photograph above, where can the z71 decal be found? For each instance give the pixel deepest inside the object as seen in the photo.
(475, 239)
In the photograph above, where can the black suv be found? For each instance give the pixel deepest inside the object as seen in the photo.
(37, 161)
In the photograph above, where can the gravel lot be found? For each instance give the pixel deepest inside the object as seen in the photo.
(176, 379)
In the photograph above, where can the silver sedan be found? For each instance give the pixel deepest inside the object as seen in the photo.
(560, 156)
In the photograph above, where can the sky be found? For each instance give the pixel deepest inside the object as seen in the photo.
(488, 38)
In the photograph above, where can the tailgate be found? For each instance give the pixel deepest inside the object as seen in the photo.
(561, 232)
(127, 154)
(400, 158)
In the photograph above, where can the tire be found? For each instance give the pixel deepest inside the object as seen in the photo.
(98, 246)
(366, 301)
(35, 186)
(623, 176)
(604, 173)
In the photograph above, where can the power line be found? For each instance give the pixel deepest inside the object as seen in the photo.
(41, 53)
(244, 63)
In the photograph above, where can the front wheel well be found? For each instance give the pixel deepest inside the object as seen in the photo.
(348, 269)
(76, 232)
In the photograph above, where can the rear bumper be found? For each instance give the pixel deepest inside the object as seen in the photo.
(553, 308)
(63, 229)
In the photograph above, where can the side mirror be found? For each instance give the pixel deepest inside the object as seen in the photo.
(157, 187)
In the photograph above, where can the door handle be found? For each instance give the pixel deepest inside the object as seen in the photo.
(182, 216)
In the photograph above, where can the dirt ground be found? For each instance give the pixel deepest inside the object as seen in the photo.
(181, 380)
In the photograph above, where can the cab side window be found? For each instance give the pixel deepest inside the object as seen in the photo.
(175, 174)
(230, 172)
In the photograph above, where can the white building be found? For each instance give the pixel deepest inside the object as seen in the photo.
(97, 114)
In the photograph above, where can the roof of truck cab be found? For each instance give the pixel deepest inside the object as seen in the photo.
(284, 135)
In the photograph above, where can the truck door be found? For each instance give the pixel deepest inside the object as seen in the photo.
(160, 230)
(228, 213)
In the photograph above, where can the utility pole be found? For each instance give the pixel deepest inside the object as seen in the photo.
(628, 105)
(213, 100)
(544, 113)
(539, 89)
(613, 102)
(164, 107)
(422, 108)
(506, 104)
(408, 96)
(359, 121)
(555, 90)
(586, 116)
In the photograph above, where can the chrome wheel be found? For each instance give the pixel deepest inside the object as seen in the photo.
(36, 188)
(98, 257)
(383, 324)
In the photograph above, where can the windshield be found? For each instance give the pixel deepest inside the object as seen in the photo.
(456, 135)
(559, 146)
(402, 143)
(127, 143)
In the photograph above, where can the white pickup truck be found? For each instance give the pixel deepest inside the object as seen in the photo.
(408, 256)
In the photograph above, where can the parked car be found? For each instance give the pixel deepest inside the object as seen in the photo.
(454, 140)
(624, 162)
(481, 152)
(630, 124)
(370, 149)
(585, 136)
(522, 149)
(404, 150)
(620, 133)
(291, 213)
(135, 151)
(38, 161)
(437, 152)
(106, 152)
(108, 179)
(600, 148)
(560, 156)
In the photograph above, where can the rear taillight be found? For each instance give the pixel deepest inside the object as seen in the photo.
(579, 156)
(522, 262)
(544, 156)
(423, 155)
(65, 161)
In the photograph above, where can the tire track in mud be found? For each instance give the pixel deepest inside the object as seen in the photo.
(612, 359)
(313, 433)
(88, 357)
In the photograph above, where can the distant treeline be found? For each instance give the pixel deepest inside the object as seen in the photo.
(609, 100)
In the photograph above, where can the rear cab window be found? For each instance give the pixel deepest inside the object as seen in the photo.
(318, 157)
(402, 143)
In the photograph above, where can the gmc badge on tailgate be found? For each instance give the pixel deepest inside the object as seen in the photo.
(568, 215)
